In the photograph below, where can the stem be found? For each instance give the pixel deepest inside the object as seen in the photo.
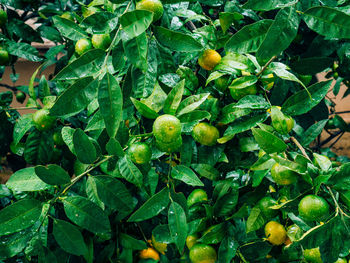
(339, 137)
(300, 148)
(266, 65)
(330, 138)
(336, 204)
(341, 112)
(24, 108)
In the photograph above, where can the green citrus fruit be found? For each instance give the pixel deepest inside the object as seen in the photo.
(57, 138)
(202, 253)
(169, 147)
(330, 124)
(265, 203)
(275, 233)
(209, 59)
(268, 80)
(313, 208)
(4, 57)
(294, 232)
(68, 16)
(341, 260)
(282, 175)
(20, 96)
(42, 120)
(191, 240)
(312, 255)
(205, 134)
(197, 196)
(82, 46)
(101, 41)
(238, 93)
(3, 17)
(166, 128)
(140, 153)
(154, 6)
(283, 125)
(222, 83)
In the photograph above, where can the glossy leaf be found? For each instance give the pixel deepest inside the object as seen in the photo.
(173, 99)
(185, 174)
(84, 148)
(26, 180)
(136, 22)
(177, 225)
(144, 110)
(268, 5)
(312, 132)
(52, 174)
(69, 29)
(24, 50)
(22, 126)
(129, 171)
(268, 142)
(191, 103)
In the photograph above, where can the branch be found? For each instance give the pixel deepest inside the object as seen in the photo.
(266, 65)
(13, 88)
(301, 148)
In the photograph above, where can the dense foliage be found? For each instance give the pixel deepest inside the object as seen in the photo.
(175, 131)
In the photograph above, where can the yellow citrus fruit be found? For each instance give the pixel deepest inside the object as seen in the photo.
(154, 6)
(82, 46)
(238, 93)
(265, 203)
(89, 11)
(312, 255)
(160, 247)
(197, 196)
(4, 57)
(313, 208)
(191, 240)
(205, 134)
(42, 120)
(149, 253)
(275, 232)
(201, 253)
(209, 59)
(101, 41)
(282, 175)
(341, 260)
(166, 128)
(140, 153)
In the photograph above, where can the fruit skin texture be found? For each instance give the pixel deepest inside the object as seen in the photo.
(140, 153)
(101, 41)
(166, 128)
(82, 46)
(313, 255)
(4, 57)
(160, 247)
(205, 134)
(264, 205)
(191, 240)
(149, 253)
(201, 253)
(237, 94)
(197, 196)
(282, 175)
(154, 6)
(42, 120)
(57, 138)
(209, 59)
(275, 232)
(20, 97)
(341, 260)
(3, 17)
(313, 208)
(281, 122)
(170, 146)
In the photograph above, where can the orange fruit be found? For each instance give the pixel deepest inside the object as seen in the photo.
(140, 153)
(275, 233)
(149, 253)
(209, 59)
(166, 128)
(42, 120)
(83, 45)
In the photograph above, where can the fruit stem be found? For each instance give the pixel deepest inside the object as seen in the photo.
(300, 147)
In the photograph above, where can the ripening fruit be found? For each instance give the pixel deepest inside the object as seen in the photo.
(281, 122)
(166, 128)
(202, 253)
(3, 18)
(154, 6)
(83, 45)
(313, 255)
(205, 134)
(341, 260)
(313, 208)
(160, 247)
(20, 96)
(265, 203)
(42, 120)
(169, 147)
(282, 175)
(4, 57)
(191, 240)
(102, 41)
(149, 253)
(275, 233)
(197, 196)
(140, 153)
(209, 59)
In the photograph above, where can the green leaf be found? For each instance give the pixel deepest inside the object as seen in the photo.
(328, 21)
(177, 225)
(110, 99)
(191, 103)
(249, 38)
(113, 147)
(226, 19)
(136, 51)
(129, 171)
(157, 99)
(100, 22)
(268, 5)
(255, 220)
(206, 170)
(11, 245)
(323, 161)
(84, 148)
(113, 193)
(312, 132)
(23, 50)
(243, 82)
(18, 216)
(38, 148)
(173, 99)
(281, 33)
(152, 207)
(300, 102)
(341, 180)
(185, 174)
(176, 41)
(67, 136)
(214, 234)
(144, 110)
(252, 102)
(69, 29)
(79, 95)
(225, 204)
(69, 237)
(312, 66)
(228, 248)
(22, 126)
(268, 142)
(52, 174)
(281, 71)
(86, 65)
(136, 22)
(25, 180)
(129, 242)
(86, 214)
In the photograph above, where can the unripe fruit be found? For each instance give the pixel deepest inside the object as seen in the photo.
(205, 134)
(102, 41)
(83, 45)
(140, 153)
(42, 120)
(282, 175)
(313, 208)
(197, 196)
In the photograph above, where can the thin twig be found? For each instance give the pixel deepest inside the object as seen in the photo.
(339, 137)
(301, 148)
(341, 112)
(266, 65)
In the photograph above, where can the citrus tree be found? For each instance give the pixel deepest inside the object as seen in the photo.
(175, 131)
